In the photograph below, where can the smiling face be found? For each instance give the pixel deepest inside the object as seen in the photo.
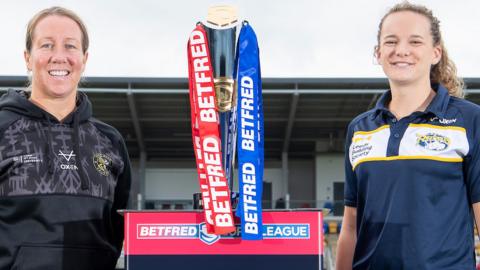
(406, 51)
(56, 58)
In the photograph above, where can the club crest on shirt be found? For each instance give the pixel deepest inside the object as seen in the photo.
(433, 141)
(102, 164)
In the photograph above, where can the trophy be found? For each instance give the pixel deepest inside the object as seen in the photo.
(219, 71)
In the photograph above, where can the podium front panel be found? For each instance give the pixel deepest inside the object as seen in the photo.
(178, 240)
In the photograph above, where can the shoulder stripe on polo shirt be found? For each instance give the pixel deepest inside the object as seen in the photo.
(420, 141)
(442, 159)
(371, 131)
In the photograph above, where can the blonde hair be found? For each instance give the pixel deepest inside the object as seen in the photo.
(445, 71)
(59, 11)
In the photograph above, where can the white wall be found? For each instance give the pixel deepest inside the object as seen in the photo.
(171, 184)
(274, 176)
(329, 168)
(301, 183)
(307, 181)
(181, 183)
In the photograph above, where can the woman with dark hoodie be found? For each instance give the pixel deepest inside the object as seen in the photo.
(63, 174)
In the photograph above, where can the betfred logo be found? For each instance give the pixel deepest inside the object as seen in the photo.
(176, 231)
(167, 231)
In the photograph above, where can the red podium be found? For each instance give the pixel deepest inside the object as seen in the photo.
(178, 240)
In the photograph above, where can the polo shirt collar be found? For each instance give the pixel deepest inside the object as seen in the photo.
(437, 106)
(439, 103)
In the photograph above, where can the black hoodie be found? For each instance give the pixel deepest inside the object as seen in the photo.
(61, 184)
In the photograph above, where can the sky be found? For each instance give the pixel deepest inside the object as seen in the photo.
(301, 38)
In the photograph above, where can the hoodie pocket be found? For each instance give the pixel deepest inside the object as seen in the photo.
(53, 257)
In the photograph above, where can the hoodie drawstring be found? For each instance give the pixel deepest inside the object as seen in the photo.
(48, 147)
(76, 145)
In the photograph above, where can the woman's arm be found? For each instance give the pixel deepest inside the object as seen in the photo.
(347, 239)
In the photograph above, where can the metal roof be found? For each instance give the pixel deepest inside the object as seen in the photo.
(303, 116)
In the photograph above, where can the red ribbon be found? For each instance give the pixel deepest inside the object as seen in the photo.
(206, 136)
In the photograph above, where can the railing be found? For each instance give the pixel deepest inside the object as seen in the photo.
(329, 260)
(278, 204)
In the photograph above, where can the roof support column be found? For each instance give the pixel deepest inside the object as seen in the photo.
(141, 146)
(286, 144)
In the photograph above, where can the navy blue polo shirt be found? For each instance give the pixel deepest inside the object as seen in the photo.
(413, 182)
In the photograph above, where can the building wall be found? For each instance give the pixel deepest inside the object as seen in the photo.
(329, 168)
(181, 183)
(301, 183)
(310, 181)
(170, 184)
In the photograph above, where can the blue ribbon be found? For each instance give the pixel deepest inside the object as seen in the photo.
(250, 135)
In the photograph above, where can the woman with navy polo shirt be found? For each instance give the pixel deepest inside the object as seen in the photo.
(412, 188)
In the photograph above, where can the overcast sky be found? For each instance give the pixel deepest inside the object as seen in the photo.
(301, 38)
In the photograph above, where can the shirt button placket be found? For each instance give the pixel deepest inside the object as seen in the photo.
(395, 128)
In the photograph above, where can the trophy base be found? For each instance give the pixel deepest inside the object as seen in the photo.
(198, 202)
